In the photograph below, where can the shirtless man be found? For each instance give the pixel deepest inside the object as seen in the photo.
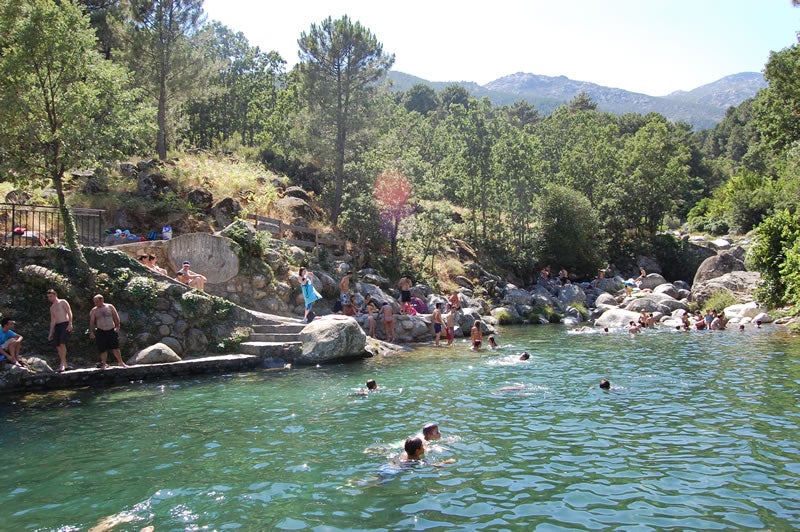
(436, 319)
(104, 329)
(344, 289)
(60, 326)
(450, 324)
(404, 284)
(388, 322)
(195, 280)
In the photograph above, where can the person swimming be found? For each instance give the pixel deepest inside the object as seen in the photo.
(431, 432)
(372, 386)
(492, 342)
(525, 356)
(413, 450)
(605, 384)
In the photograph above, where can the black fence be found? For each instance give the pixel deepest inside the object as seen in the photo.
(41, 225)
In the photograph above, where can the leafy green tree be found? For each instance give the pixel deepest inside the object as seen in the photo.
(251, 85)
(654, 167)
(341, 63)
(164, 43)
(568, 230)
(582, 102)
(454, 94)
(62, 105)
(778, 106)
(420, 98)
(776, 254)
(422, 236)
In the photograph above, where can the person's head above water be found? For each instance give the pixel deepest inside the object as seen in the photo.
(604, 384)
(431, 432)
(525, 356)
(372, 385)
(414, 448)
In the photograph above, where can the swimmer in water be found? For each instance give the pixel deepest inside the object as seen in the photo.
(372, 386)
(492, 342)
(604, 384)
(413, 450)
(525, 356)
(431, 432)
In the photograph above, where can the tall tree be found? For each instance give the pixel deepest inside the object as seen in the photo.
(165, 47)
(341, 63)
(250, 83)
(62, 105)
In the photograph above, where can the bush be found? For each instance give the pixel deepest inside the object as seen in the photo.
(720, 299)
(504, 317)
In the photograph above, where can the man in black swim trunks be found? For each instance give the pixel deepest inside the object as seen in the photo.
(60, 325)
(404, 284)
(104, 328)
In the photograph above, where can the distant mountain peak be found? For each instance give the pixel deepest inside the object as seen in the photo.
(702, 107)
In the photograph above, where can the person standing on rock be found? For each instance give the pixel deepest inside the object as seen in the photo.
(60, 326)
(404, 284)
(388, 321)
(344, 289)
(310, 295)
(104, 329)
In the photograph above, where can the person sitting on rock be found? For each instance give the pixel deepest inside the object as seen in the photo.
(151, 263)
(195, 280)
(10, 343)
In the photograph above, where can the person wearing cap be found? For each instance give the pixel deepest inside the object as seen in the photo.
(10, 342)
(195, 280)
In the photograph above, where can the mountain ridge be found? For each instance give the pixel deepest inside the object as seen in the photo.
(702, 107)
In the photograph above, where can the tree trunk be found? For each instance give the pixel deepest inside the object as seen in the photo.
(161, 141)
(71, 234)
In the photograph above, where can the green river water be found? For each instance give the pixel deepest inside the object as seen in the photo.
(701, 430)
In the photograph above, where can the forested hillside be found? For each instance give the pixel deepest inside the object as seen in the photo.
(403, 174)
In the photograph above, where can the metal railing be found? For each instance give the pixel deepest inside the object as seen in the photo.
(41, 225)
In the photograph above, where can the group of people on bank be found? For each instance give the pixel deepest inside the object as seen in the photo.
(104, 326)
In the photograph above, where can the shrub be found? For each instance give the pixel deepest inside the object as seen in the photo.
(720, 300)
(143, 289)
(504, 317)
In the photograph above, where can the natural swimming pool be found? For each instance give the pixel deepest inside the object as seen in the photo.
(701, 431)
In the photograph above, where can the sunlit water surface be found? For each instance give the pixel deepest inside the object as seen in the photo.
(700, 431)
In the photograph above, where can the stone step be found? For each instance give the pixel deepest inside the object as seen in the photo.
(274, 337)
(279, 328)
(272, 349)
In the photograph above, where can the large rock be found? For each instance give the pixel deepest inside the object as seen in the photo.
(155, 354)
(296, 207)
(651, 281)
(333, 338)
(226, 211)
(209, 255)
(647, 305)
(605, 299)
(517, 296)
(738, 284)
(616, 318)
(717, 266)
(667, 289)
(570, 294)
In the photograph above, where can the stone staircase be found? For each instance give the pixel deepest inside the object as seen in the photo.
(274, 340)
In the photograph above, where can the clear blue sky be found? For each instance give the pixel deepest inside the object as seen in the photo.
(650, 46)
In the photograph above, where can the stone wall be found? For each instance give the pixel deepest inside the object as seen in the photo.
(152, 307)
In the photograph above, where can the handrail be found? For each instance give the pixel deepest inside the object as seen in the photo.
(326, 239)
